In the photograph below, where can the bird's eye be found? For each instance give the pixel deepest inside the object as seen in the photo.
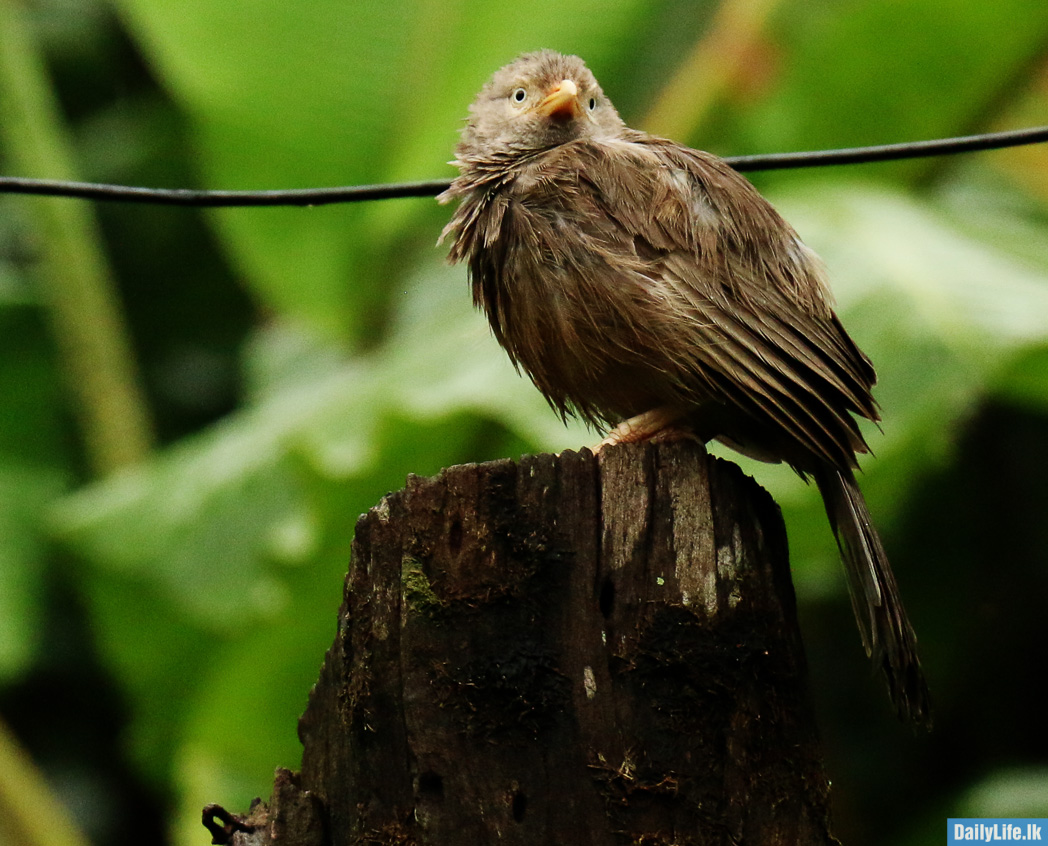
(592, 103)
(519, 96)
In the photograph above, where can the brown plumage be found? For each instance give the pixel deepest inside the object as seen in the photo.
(637, 280)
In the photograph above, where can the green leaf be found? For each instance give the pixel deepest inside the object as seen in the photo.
(880, 71)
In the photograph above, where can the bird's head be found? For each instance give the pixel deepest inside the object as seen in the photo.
(537, 102)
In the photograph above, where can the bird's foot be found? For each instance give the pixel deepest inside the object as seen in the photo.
(660, 425)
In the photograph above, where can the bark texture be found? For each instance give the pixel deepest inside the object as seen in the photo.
(564, 650)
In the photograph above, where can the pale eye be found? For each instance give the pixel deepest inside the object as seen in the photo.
(592, 103)
(519, 96)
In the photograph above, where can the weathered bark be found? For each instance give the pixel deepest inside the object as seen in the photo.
(564, 650)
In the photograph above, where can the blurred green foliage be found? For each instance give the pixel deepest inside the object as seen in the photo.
(299, 363)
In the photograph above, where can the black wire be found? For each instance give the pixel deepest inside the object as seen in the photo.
(430, 188)
(893, 152)
(215, 199)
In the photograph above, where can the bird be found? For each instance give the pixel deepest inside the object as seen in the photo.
(647, 288)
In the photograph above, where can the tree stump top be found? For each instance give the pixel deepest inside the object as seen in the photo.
(567, 650)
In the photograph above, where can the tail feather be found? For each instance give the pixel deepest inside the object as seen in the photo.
(886, 632)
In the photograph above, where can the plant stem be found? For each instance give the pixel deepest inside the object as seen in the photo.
(712, 66)
(85, 313)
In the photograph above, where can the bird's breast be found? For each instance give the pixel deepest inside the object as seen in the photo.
(567, 301)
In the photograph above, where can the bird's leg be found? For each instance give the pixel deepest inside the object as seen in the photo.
(655, 425)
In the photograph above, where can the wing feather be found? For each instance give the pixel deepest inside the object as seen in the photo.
(735, 270)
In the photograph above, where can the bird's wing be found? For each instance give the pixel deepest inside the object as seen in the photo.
(750, 314)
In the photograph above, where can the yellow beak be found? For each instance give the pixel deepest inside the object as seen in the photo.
(562, 101)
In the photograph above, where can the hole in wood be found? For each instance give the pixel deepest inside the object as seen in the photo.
(520, 805)
(455, 537)
(431, 785)
(607, 597)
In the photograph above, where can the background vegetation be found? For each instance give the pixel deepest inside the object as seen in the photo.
(194, 407)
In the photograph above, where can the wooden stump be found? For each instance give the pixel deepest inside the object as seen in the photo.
(564, 650)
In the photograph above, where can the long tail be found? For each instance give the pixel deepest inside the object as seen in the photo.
(886, 632)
